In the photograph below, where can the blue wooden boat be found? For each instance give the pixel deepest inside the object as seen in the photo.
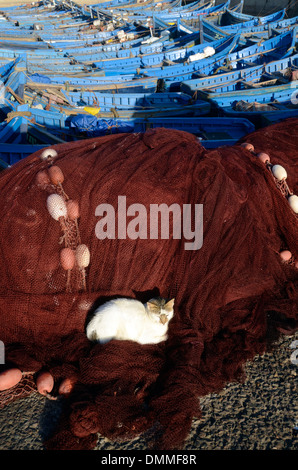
(13, 131)
(145, 79)
(20, 130)
(230, 17)
(56, 66)
(253, 32)
(53, 121)
(87, 32)
(133, 101)
(141, 81)
(78, 30)
(22, 45)
(174, 5)
(198, 108)
(236, 16)
(136, 47)
(120, 84)
(271, 49)
(257, 27)
(179, 72)
(212, 132)
(39, 127)
(238, 20)
(149, 60)
(130, 83)
(208, 31)
(125, 105)
(163, 43)
(277, 115)
(13, 153)
(61, 39)
(173, 15)
(262, 94)
(255, 21)
(19, 138)
(236, 79)
(187, 7)
(262, 116)
(115, 4)
(137, 9)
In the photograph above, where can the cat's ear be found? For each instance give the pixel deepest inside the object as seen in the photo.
(170, 304)
(152, 306)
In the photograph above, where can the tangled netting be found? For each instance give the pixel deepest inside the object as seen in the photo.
(234, 295)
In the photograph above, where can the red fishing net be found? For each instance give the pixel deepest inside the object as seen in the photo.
(234, 295)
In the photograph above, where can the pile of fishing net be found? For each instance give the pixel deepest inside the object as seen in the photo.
(233, 296)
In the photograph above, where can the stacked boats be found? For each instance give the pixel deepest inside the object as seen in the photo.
(71, 72)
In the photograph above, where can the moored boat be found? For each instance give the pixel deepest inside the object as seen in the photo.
(64, 63)
(262, 93)
(261, 115)
(243, 78)
(212, 132)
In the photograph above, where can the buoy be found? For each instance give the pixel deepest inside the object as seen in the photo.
(56, 175)
(279, 172)
(9, 378)
(248, 146)
(67, 258)
(285, 255)
(45, 383)
(56, 206)
(42, 179)
(48, 154)
(293, 202)
(82, 256)
(263, 157)
(66, 386)
(73, 210)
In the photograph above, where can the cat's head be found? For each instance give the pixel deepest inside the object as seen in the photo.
(160, 310)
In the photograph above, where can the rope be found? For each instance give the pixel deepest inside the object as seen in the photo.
(14, 114)
(15, 95)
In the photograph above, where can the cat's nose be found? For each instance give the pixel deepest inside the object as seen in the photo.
(163, 318)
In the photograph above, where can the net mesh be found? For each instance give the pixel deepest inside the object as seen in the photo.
(233, 296)
(21, 390)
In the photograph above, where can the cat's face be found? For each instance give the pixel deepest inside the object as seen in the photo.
(160, 310)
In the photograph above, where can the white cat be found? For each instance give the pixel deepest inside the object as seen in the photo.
(130, 319)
